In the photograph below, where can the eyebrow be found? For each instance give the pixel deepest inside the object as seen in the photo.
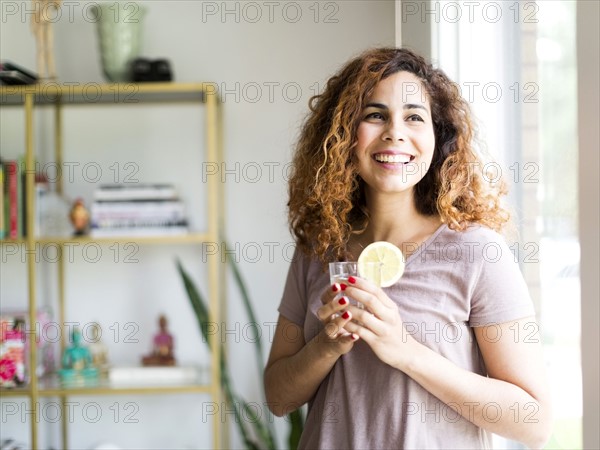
(406, 106)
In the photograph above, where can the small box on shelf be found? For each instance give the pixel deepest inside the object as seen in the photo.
(15, 339)
(156, 376)
(12, 351)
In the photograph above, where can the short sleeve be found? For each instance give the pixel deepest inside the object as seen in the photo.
(500, 293)
(293, 304)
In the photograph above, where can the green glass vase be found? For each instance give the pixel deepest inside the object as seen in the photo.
(119, 26)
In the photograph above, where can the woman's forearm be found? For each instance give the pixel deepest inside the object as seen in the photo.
(292, 381)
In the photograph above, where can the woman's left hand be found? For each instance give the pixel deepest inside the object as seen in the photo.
(379, 324)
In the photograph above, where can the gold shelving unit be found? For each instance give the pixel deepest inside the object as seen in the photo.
(57, 96)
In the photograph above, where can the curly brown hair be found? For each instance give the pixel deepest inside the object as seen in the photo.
(326, 194)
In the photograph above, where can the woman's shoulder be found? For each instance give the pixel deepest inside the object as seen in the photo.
(305, 263)
(476, 244)
(473, 233)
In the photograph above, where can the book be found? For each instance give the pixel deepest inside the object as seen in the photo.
(2, 213)
(139, 222)
(137, 211)
(42, 188)
(138, 191)
(20, 197)
(137, 376)
(12, 189)
(175, 230)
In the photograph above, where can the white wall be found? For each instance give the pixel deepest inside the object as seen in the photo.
(260, 130)
(415, 28)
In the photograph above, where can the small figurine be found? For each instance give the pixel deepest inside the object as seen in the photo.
(80, 218)
(162, 352)
(99, 351)
(77, 369)
(41, 26)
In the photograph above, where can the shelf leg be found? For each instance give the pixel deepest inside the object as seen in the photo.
(214, 268)
(31, 278)
(64, 423)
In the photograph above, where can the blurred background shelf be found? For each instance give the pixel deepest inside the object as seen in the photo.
(51, 93)
(115, 95)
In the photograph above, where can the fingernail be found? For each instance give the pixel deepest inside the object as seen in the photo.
(342, 301)
(351, 280)
(334, 288)
(343, 287)
(346, 315)
(354, 336)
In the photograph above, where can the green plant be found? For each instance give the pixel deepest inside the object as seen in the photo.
(255, 433)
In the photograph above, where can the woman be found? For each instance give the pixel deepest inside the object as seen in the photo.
(450, 352)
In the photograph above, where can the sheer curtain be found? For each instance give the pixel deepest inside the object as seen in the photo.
(515, 64)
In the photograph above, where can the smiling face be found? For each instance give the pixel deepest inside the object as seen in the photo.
(395, 138)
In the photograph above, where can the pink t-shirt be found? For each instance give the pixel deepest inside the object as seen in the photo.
(452, 282)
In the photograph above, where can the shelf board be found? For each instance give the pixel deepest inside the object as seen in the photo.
(125, 390)
(81, 93)
(15, 392)
(189, 238)
(19, 241)
(50, 386)
(53, 389)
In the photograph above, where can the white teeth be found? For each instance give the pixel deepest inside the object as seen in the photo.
(387, 158)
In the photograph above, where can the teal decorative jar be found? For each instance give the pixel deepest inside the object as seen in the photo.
(119, 27)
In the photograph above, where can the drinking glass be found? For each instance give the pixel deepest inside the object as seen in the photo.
(339, 272)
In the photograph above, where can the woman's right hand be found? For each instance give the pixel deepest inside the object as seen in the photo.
(296, 368)
(334, 316)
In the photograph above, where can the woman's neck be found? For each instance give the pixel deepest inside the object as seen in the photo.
(395, 219)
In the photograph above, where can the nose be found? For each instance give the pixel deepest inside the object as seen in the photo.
(394, 131)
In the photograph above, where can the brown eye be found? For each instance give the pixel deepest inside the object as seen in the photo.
(374, 116)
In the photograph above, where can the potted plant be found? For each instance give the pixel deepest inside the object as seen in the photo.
(256, 433)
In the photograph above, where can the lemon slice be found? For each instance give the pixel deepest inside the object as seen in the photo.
(389, 256)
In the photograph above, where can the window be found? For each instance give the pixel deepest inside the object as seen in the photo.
(559, 243)
(515, 63)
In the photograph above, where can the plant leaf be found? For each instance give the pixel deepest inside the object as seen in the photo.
(198, 303)
(248, 306)
(296, 419)
(260, 429)
(232, 400)
(260, 360)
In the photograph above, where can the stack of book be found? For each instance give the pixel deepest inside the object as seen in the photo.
(137, 210)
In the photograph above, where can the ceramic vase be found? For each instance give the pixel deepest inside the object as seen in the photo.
(120, 26)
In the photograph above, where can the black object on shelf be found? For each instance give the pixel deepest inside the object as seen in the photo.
(11, 73)
(147, 70)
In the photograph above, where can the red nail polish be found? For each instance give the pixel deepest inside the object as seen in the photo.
(343, 287)
(334, 288)
(346, 315)
(351, 280)
(342, 301)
